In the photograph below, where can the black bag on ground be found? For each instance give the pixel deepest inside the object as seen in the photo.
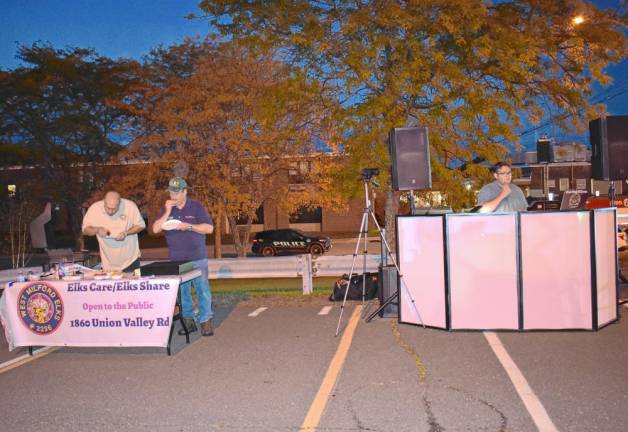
(355, 288)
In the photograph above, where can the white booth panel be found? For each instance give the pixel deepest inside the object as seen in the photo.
(606, 266)
(483, 271)
(556, 270)
(421, 261)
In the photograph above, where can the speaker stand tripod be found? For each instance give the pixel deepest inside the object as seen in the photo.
(395, 296)
(368, 211)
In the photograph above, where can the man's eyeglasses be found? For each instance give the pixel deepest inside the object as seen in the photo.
(505, 173)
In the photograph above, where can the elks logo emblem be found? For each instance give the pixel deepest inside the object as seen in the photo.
(574, 200)
(40, 308)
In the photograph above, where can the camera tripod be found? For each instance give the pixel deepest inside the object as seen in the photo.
(368, 211)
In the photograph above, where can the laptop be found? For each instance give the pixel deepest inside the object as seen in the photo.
(160, 268)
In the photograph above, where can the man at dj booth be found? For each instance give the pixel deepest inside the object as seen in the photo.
(501, 195)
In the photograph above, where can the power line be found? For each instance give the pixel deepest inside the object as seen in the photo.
(620, 88)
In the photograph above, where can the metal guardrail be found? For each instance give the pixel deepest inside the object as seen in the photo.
(277, 267)
(292, 266)
(341, 264)
(271, 267)
(289, 266)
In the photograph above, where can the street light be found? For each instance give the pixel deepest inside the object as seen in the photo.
(578, 19)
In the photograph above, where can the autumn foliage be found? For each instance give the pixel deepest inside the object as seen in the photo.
(238, 123)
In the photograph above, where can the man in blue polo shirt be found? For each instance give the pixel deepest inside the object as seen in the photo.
(186, 224)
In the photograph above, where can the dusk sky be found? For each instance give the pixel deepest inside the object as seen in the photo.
(130, 28)
(114, 28)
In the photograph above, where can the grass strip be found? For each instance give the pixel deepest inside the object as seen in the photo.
(290, 287)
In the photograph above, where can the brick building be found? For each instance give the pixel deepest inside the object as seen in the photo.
(554, 169)
(269, 216)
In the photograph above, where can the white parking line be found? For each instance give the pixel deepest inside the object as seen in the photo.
(533, 404)
(257, 311)
(325, 310)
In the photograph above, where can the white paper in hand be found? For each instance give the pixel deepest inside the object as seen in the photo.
(170, 224)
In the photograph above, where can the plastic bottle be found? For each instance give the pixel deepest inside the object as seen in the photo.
(21, 277)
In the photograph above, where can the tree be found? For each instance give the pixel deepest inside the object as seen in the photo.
(239, 120)
(473, 71)
(55, 116)
(17, 208)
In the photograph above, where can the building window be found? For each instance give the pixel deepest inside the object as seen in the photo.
(304, 167)
(581, 184)
(307, 215)
(526, 172)
(564, 184)
(296, 187)
(292, 171)
(258, 218)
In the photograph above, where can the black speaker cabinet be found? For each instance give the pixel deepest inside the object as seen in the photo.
(544, 151)
(388, 283)
(609, 147)
(410, 156)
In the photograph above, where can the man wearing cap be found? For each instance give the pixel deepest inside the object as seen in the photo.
(115, 222)
(185, 237)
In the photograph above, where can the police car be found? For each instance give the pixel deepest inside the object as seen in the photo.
(272, 242)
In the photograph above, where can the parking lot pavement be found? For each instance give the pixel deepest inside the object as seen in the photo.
(264, 366)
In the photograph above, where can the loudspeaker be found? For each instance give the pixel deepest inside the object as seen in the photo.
(388, 286)
(544, 150)
(410, 157)
(609, 147)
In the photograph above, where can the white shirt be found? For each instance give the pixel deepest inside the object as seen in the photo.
(116, 255)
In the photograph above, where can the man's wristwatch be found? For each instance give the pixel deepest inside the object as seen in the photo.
(190, 228)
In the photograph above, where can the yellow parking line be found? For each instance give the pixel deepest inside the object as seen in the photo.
(315, 412)
(26, 358)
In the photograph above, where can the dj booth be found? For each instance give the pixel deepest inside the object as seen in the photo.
(509, 271)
